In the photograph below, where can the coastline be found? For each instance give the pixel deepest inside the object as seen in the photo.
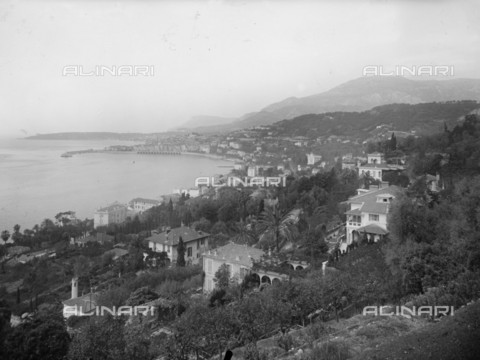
(54, 187)
(210, 156)
(205, 155)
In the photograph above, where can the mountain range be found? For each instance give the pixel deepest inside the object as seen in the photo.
(356, 95)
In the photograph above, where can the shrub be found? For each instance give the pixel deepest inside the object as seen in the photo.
(315, 332)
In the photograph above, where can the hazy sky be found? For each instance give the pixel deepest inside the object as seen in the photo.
(222, 58)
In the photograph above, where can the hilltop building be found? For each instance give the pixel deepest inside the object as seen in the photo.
(376, 166)
(196, 243)
(239, 260)
(312, 159)
(367, 215)
(112, 214)
(140, 205)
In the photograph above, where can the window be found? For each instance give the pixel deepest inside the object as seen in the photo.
(189, 251)
(202, 242)
(373, 217)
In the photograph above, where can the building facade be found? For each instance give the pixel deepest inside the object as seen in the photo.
(140, 205)
(196, 243)
(376, 166)
(312, 158)
(238, 259)
(368, 215)
(112, 214)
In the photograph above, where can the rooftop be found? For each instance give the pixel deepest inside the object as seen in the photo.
(146, 201)
(172, 237)
(372, 229)
(117, 253)
(235, 253)
(112, 207)
(368, 200)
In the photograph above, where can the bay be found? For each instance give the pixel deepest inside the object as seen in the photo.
(37, 183)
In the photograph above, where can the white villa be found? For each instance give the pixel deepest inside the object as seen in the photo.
(368, 214)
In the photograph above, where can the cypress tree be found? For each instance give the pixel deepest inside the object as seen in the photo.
(181, 253)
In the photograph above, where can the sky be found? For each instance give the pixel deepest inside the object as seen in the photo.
(220, 58)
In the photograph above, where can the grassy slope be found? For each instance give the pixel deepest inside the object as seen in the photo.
(456, 337)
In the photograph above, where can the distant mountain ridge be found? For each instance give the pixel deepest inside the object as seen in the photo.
(359, 95)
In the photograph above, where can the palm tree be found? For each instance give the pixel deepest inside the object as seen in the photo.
(244, 233)
(281, 225)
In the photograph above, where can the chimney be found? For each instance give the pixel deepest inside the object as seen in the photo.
(74, 287)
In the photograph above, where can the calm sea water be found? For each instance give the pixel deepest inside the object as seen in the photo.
(37, 183)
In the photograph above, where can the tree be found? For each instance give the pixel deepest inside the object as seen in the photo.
(16, 236)
(101, 338)
(244, 233)
(180, 252)
(222, 277)
(279, 225)
(5, 235)
(141, 296)
(43, 337)
(5, 315)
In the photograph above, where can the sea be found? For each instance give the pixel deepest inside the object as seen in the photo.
(37, 183)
